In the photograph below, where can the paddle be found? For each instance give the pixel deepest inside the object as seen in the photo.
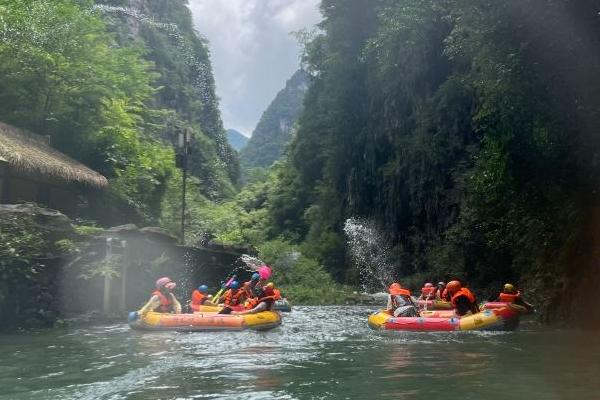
(215, 299)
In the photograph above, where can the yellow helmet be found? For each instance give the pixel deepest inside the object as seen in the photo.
(270, 284)
(508, 288)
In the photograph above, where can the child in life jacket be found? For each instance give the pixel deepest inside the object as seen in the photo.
(200, 297)
(163, 300)
(400, 303)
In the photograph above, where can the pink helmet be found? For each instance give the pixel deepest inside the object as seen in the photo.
(265, 272)
(165, 282)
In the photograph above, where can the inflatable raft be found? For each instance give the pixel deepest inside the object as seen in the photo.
(492, 305)
(204, 321)
(215, 309)
(506, 318)
(282, 305)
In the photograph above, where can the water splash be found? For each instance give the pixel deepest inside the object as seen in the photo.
(370, 252)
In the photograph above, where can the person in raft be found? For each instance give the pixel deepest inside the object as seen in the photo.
(234, 296)
(400, 303)
(462, 299)
(427, 292)
(248, 287)
(163, 300)
(441, 293)
(510, 294)
(276, 292)
(200, 298)
(263, 301)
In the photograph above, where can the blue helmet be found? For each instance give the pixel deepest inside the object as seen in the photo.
(255, 276)
(234, 285)
(203, 288)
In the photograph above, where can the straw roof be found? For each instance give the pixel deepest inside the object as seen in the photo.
(30, 154)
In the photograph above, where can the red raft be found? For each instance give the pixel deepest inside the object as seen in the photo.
(506, 318)
(494, 305)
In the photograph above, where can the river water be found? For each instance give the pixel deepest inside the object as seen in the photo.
(318, 353)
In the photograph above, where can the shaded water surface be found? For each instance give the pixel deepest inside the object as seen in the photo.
(318, 353)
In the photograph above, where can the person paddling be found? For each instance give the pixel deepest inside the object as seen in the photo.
(462, 299)
(163, 300)
(510, 294)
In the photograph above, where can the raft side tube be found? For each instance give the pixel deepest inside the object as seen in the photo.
(207, 321)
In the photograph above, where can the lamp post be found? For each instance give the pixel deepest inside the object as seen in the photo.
(183, 144)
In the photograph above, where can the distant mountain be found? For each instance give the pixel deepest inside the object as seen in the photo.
(275, 128)
(236, 139)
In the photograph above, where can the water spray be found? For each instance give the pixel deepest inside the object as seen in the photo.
(369, 251)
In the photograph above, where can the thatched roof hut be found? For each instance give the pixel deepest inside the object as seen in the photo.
(31, 155)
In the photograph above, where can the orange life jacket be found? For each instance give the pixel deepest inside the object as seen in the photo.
(464, 292)
(198, 298)
(233, 299)
(166, 304)
(251, 303)
(277, 294)
(401, 292)
(509, 297)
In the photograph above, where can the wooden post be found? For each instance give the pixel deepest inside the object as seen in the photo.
(123, 305)
(106, 302)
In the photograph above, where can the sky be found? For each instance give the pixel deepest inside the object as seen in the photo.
(252, 51)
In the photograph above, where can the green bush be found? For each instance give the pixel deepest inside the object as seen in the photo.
(301, 278)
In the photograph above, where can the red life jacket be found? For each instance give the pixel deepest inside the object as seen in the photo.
(166, 304)
(464, 292)
(509, 297)
(277, 294)
(233, 299)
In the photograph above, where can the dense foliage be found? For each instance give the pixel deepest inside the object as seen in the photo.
(113, 91)
(276, 126)
(467, 130)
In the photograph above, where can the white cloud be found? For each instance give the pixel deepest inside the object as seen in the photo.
(253, 53)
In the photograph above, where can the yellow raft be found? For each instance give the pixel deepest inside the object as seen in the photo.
(205, 321)
(506, 318)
